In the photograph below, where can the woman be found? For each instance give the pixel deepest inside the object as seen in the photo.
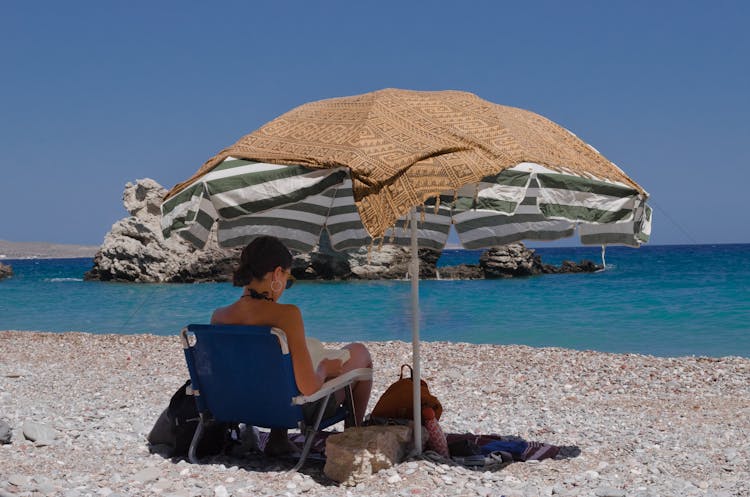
(264, 273)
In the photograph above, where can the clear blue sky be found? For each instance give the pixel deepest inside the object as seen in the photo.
(98, 93)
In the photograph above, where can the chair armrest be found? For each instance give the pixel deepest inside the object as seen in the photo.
(335, 384)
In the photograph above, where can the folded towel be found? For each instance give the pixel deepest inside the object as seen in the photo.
(515, 448)
(518, 449)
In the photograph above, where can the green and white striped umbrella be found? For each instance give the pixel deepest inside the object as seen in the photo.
(360, 166)
(295, 203)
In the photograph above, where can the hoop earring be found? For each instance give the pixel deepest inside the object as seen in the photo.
(276, 289)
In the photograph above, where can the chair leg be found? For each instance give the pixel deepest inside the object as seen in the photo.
(309, 438)
(351, 419)
(254, 442)
(196, 439)
(310, 432)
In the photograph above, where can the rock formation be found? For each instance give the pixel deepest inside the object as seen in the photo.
(366, 263)
(135, 251)
(514, 260)
(6, 271)
(460, 272)
(510, 261)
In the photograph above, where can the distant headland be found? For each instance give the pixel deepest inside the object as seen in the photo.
(44, 250)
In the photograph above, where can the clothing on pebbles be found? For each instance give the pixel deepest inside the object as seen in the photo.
(628, 425)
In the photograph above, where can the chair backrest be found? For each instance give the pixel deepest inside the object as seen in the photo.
(243, 374)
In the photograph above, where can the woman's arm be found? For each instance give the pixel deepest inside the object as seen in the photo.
(308, 380)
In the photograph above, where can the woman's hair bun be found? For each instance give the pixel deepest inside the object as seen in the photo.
(259, 257)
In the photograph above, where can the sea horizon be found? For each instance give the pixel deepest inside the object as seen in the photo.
(448, 247)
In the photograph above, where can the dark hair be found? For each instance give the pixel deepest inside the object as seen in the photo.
(261, 256)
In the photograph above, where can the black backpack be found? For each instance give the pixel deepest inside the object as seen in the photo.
(177, 424)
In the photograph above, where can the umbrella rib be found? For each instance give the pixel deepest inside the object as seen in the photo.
(330, 207)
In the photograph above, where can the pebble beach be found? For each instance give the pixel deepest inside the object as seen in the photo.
(628, 425)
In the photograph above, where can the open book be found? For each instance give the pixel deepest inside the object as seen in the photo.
(318, 352)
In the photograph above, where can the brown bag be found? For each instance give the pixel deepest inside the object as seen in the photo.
(397, 401)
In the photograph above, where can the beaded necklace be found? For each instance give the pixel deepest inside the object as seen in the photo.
(257, 296)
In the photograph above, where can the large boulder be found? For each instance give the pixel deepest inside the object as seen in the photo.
(385, 262)
(514, 260)
(135, 250)
(584, 266)
(460, 272)
(390, 262)
(6, 271)
(510, 261)
(356, 454)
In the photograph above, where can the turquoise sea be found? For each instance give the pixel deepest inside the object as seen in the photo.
(661, 300)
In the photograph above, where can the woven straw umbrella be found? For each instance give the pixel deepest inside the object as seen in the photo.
(401, 166)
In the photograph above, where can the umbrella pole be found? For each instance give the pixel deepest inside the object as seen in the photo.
(417, 373)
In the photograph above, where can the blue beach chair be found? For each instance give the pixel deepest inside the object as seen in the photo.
(243, 374)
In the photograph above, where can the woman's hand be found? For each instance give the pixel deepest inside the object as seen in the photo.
(330, 368)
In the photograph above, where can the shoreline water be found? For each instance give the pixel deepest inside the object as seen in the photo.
(644, 425)
(662, 301)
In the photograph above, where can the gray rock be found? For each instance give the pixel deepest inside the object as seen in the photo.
(730, 454)
(609, 492)
(591, 475)
(390, 262)
(585, 266)
(558, 489)
(38, 432)
(365, 263)
(356, 454)
(459, 272)
(6, 432)
(147, 475)
(17, 436)
(163, 485)
(516, 260)
(306, 485)
(509, 261)
(135, 251)
(6, 271)
(179, 493)
(19, 480)
(483, 491)
(47, 488)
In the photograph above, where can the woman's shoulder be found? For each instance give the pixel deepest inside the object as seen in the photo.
(287, 307)
(287, 311)
(288, 317)
(284, 316)
(219, 315)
